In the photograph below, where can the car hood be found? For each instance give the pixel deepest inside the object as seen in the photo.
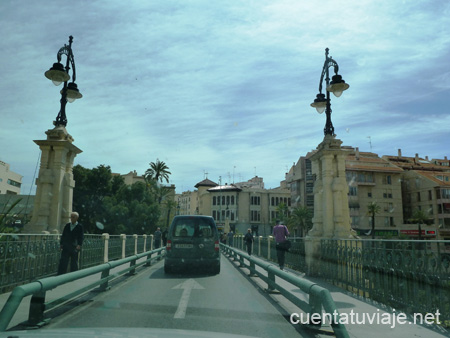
(116, 332)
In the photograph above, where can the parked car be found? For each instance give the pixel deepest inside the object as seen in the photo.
(192, 243)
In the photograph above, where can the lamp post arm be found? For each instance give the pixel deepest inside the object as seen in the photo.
(67, 50)
(329, 62)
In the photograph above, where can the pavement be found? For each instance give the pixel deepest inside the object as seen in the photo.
(362, 318)
(378, 321)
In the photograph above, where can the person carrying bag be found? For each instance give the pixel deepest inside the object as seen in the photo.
(280, 232)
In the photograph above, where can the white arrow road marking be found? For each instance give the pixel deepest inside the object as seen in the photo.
(187, 287)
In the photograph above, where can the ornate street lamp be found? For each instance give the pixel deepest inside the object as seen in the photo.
(336, 86)
(59, 74)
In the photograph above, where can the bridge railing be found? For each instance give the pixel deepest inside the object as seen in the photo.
(38, 289)
(319, 297)
(408, 275)
(27, 257)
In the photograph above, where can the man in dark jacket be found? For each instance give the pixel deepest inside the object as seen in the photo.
(248, 239)
(70, 244)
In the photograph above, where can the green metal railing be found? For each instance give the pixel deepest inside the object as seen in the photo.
(38, 289)
(27, 257)
(319, 297)
(411, 276)
(408, 275)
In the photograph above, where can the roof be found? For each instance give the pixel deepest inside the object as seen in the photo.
(432, 176)
(206, 183)
(415, 163)
(367, 161)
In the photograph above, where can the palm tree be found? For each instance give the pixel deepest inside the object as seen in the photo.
(372, 209)
(158, 171)
(300, 217)
(420, 217)
(282, 212)
(169, 205)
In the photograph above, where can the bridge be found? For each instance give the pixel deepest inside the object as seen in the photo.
(250, 296)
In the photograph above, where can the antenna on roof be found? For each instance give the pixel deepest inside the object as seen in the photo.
(370, 142)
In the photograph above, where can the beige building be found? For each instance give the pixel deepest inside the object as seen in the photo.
(132, 177)
(398, 184)
(10, 182)
(426, 186)
(236, 206)
(370, 179)
(373, 179)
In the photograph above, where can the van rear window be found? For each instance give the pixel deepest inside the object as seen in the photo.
(192, 227)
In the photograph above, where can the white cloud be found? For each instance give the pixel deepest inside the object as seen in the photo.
(212, 85)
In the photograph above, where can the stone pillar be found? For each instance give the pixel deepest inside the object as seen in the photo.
(331, 212)
(54, 191)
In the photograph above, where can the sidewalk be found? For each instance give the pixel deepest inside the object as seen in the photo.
(352, 309)
(21, 314)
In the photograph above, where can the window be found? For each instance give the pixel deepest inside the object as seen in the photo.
(309, 201)
(255, 216)
(445, 193)
(355, 220)
(418, 196)
(353, 191)
(255, 200)
(14, 183)
(388, 179)
(186, 227)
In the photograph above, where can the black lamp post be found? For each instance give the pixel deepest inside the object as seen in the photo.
(59, 74)
(336, 86)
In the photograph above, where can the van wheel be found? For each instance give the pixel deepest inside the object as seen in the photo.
(215, 269)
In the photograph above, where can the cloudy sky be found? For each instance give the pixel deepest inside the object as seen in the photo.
(223, 87)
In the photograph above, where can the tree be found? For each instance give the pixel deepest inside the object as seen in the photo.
(420, 217)
(106, 204)
(301, 218)
(158, 171)
(170, 206)
(372, 209)
(5, 217)
(91, 188)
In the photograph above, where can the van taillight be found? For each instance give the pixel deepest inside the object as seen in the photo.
(169, 245)
(216, 245)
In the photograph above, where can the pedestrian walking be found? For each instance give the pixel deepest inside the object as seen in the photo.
(157, 238)
(248, 239)
(70, 244)
(280, 232)
(223, 238)
(230, 236)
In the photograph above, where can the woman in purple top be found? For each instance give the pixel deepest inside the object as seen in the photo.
(280, 232)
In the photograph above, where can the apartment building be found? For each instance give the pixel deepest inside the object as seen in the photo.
(10, 182)
(426, 186)
(370, 179)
